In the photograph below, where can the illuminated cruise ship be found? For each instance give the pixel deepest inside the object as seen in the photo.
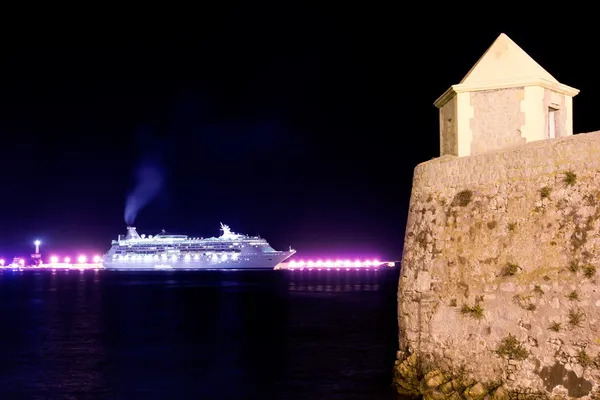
(165, 251)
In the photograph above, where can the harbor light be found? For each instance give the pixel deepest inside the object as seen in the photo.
(96, 259)
(338, 264)
(2, 262)
(81, 259)
(22, 262)
(37, 246)
(67, 260)
(53, 260)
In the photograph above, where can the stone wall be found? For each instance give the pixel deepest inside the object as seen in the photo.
(449, 129)
(497, 119)
(499, 290)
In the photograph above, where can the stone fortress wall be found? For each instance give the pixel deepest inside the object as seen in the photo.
(499, 293)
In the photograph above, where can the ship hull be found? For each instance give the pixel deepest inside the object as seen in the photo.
(260, 261)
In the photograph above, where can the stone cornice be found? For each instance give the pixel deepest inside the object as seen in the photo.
(476, 87)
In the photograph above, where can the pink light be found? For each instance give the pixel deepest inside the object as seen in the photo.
(346, 264)
(96, 259)
(22, 262)
(53, 260)
(67, 260)
(82, 259)
(2, 261)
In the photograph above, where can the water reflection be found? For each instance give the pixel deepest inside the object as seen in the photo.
(334, 281)
(50, 338)
(225, 335)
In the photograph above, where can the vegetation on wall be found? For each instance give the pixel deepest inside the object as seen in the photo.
(573, 267)
(570, 178)
(573, 296)
(510, 269)
(512, 349)
(545, 192)
(555, 327)
(589, 271)
(474, 311)
(576, 318)
(463, 198)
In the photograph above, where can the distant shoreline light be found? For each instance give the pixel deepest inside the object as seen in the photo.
(334, 264)
(54, 260)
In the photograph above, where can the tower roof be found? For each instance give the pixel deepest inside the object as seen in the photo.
(505, 65)
(504, 61)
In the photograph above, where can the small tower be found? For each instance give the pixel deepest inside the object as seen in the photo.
(505, 100)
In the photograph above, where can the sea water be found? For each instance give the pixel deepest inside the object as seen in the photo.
(197, 335)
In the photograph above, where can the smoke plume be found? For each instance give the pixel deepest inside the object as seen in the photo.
(149, 181)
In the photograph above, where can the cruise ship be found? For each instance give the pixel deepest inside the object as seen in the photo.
(180, 252)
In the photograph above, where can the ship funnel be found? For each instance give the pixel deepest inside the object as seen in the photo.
(132, 233)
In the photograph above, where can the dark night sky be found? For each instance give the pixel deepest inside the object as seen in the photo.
(304, 127)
